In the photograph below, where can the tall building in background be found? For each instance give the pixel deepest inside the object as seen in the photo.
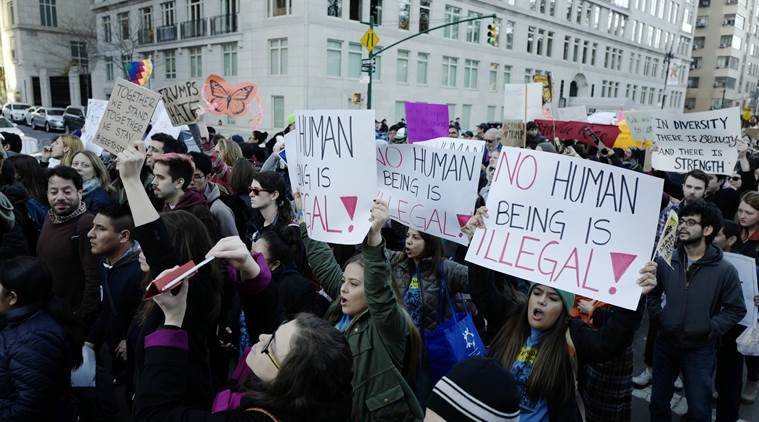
(606, 55)
(46, 54)
(725, 67)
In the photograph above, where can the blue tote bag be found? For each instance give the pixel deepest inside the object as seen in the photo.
(453, 340)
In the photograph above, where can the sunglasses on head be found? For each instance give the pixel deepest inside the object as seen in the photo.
(257, 191)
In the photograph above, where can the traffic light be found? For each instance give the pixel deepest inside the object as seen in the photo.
(492, 34)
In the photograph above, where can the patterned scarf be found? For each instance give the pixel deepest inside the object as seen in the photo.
(59, 219)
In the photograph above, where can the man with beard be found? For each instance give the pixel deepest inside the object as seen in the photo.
(703, 301)
(63, 245)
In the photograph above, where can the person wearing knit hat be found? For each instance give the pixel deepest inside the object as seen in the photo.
(476, 389)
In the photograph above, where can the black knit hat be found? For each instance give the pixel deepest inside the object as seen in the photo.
(476, 389)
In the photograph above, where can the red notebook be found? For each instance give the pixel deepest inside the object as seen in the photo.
(173, 278)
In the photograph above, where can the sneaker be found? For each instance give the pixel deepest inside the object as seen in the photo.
(749, 392)
(679, 383)
(642, 379)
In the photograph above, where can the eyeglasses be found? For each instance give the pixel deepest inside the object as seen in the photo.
(268, 353)
(689, 222)
(257, 191)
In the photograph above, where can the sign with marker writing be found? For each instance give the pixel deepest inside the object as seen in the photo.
(456, 144)
(426, 121)
(565, 223)
(523, 102)
(429, 189)
(126, 117)
(161, 123)
(182, 102)
(639, 123)
(336, 172)
(589, 133)
(95, 111)
(514, 133)
(706, 141)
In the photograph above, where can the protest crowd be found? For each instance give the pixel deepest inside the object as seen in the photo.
(204, 277)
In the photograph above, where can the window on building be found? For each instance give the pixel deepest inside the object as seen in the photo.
(493, 78)
(509, 32)
(567, 43)
(740, 21)
(356, 10)
(401, 66)
(109, 69)
(424, 15)
(585, 45)
(471, 69)
(693, 82)
(79, 55)
(404, 14)
(335, 8)
(229, 54)
(377, 75)
(466, 115)
(724, 82)
(168, 18)
(452, 14)
(701, 21)
(278, 56)
(696, 63)
(449, 71)
(11, 13)
(334, 58)
(728, 20)
(146, 18)
(593, 54)
(576, 50)
(724, 62)
(506, 74)
(473, 29)
(490, 116)
(279, 8)
(698, 42)
(196, 62)
(277, 111)
(422, 63)
(375, 11)
(354, 60)
(48, 13)
(400, 110)
(106, 23)
(170, 64)
(690, 103)
(124, 29)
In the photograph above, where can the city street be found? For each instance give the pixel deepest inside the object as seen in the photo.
(43, 138)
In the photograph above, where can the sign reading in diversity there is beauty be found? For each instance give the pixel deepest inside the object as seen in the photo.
(706, 141)
(336, 172)
(566, 223)
(126, 117)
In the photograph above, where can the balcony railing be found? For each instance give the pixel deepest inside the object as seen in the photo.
(223, 24)
(145, 36)
(166, 33)
(193, 29)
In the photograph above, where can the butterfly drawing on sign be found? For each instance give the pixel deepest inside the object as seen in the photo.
(230, 99)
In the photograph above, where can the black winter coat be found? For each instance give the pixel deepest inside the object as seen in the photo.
(35, 365)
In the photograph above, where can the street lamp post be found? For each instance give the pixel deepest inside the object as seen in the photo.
(667, 59)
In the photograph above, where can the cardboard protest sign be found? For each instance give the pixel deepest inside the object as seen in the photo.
(514, 133)
(706, 141)
(574, 114)
(336, 172)
(666, 246)
(95, 111)
(161, 123)
(126, 116)
(746, 267)
(429, 189)
(182, 102)
(426, 121)
(589, 133)
(566, 223)
(639, 123)
(523, 102)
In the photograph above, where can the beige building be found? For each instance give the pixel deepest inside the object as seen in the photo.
(725, 67)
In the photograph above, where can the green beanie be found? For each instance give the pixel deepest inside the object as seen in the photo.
(290, 119)
(566, 297)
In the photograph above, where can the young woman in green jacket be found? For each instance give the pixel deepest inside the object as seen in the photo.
(378, 329)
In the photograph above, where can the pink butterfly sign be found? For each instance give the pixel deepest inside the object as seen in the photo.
(238, 101)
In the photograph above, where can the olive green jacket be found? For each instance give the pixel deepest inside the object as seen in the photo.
(377, 337)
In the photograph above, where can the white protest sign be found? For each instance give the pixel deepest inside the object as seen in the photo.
(706, 141)
(523, 102)
(182, 101)
(95, 111)
(576, 225)
(161, 123)
(291, 151)
(639, 123)
(429, 189)
(455, 144)
(126, 117)
(337, 174)
(746, 267)
(573, 114)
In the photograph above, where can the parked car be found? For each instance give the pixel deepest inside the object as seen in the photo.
(28, 115)
(15, 111)
(8, 126)
(73, 118)
(48, 117)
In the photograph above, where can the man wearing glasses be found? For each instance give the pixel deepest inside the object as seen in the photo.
(703, 301)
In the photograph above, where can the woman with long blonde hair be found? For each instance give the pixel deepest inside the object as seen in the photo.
(97, 183)
(63, 148)
(229, 150)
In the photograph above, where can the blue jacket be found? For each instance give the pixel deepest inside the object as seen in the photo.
(35, 365)
(97, 199)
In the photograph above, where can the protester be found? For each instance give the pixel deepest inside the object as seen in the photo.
(222, 214)
(12, 143)
(239, 199)
(692, 319)
(453, 132)
(96, 183)
(37, 347)
(163, 143)
(63, 149)
(229, 151)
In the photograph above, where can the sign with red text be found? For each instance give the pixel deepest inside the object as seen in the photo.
(429, 189)
(336, 172)
(126, 116)
(573, 224)
(706, 141)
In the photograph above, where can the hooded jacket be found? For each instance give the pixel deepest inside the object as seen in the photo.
(704, 300)
(225, 218)
(195, 203)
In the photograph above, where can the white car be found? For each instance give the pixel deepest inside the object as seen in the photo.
(8, 126)
(15, 111)
(48, 117)
(28, 114)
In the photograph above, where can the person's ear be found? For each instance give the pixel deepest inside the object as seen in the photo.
(708, 230)
(731, 240)
(124, 236)
(12, 298)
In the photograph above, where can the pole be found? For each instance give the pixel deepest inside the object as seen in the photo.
(667, 59)
(371, 70)
(722, 103)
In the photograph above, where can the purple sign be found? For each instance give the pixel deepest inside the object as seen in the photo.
(426, 121)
